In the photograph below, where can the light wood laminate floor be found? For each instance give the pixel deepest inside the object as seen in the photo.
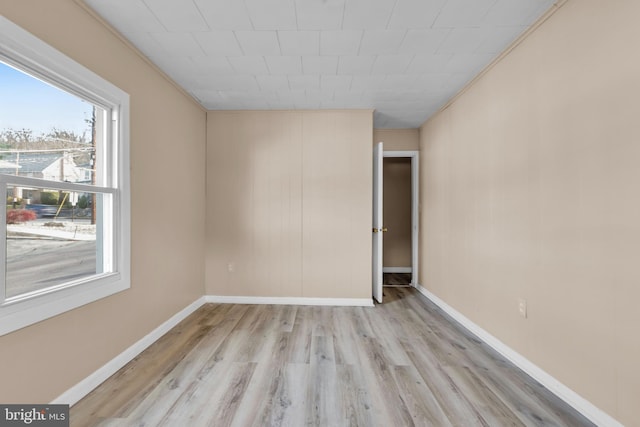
(402, 363)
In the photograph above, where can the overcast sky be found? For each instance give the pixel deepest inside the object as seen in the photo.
(28, 103)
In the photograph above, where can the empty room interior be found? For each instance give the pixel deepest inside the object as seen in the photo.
(236, 280)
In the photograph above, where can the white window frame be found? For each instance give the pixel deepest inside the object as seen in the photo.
(21, 49)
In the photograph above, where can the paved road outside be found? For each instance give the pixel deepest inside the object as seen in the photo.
(37, 263)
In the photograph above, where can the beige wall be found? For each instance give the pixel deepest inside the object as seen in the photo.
(398, 139)
(530, 190)
(289, 204)
(396, 173)
(40, 362)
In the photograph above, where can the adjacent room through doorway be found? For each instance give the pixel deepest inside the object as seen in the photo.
(396, 252)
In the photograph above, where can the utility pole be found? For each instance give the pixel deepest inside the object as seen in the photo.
(92, 164)
(64, 156)
(16, 190)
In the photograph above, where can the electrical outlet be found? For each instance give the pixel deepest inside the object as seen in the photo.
(231, 267)
(522, 307)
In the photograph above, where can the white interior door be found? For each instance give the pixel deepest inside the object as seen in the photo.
(377, 221)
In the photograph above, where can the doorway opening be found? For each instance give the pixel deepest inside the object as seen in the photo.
(395, 219)
(396, 208)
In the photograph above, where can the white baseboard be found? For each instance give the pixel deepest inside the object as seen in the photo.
(350, 302)
(580, 404)
(84, 387)
(396, 269)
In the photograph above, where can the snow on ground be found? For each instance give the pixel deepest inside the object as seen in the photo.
(59, 229)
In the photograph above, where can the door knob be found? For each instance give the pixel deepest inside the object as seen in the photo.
(384, 229)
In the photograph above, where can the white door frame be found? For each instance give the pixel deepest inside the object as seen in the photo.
(378, 224)
(415, 208)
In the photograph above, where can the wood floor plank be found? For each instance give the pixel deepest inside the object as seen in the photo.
(288, 317)
(379, 369)
(219, 403)
(401, 363)
(255, 399)
(417, 397)
(322, 392)
(357, 406)
(345, 337)
(285, 401)
(383, 331)
(490, 406)
(299, 343)
(321, 320)
(459, 410)
(359, 322)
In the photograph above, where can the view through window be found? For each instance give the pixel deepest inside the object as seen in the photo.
(52, 231)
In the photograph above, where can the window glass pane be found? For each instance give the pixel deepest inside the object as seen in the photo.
(46, 132)
(52, 238)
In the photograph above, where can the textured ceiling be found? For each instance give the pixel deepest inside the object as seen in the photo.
(403, 58)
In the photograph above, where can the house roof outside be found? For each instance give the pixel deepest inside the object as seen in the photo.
(28, 162)
(4, 165)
